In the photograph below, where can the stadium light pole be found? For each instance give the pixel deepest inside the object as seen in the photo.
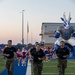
(23, 27)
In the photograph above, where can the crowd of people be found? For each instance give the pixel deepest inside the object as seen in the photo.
(24, 53)
(36, 55)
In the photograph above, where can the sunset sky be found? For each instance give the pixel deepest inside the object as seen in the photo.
(36, 12)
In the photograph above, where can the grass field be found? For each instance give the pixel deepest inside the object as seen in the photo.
(2, 63)
(50, 68)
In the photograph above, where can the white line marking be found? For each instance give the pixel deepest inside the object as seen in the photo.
(56, 66)
(57, 73)
(28, 68)
(72, 62)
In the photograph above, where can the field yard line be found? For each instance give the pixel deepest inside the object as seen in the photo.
(71, 62)
(57, 73)
(28, 68)
(56, 66)
(56, 62)
(49, 62)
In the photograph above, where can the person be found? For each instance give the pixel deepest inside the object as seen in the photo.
(3, 50)
(61, 54)
(36, 43)
(38, 56)
(18, 56)
(10, 53)
(32, 48)
(27, 48)
(51, 53)
(24, 53)
(47, 52)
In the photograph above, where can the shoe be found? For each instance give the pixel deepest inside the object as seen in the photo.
(18, 64)
(22, 64)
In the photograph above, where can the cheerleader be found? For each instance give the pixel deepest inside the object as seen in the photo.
(24, 53)
(18, 56)
(51, 53)
(46, 51)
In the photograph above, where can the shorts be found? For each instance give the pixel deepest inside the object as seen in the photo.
(18, 55)
(23, 57)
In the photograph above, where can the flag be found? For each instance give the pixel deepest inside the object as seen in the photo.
(27, 27)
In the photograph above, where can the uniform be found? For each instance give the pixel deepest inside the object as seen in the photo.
(18, 54)
(37, 64)
(62, 62)
(10, 59)
(23, 55)
(51, 53)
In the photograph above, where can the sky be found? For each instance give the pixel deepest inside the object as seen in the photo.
(36, 12)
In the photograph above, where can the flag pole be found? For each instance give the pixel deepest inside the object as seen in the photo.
(31, 38)
(27, 32)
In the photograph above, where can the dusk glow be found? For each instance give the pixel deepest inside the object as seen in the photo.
(36, 12)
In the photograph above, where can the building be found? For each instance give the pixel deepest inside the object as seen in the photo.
(47, 32)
